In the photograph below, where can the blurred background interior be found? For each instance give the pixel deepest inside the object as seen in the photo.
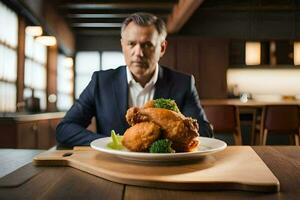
(245, 53)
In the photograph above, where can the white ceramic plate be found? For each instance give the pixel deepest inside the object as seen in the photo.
(207, 146)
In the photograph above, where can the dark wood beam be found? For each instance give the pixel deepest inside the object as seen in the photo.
(91, 16)
(96, 25)
(181, 13)
(93, 6)
(98, 31)
(103, 15)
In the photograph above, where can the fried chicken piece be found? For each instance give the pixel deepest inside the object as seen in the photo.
(140, 136)
(149, 104)
(182, 131)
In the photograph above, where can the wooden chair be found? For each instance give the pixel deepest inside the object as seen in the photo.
(280, 119)
(225, 119)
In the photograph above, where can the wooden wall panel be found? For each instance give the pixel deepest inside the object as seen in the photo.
(52, 76)
(187, 55)
(170, 58)
(20, 62)
(206, 59)
(213, 62)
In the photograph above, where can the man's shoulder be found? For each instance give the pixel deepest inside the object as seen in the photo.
(111, 72)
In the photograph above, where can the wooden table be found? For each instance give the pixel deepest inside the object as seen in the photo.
(30, 182)
(249, 103)
(253, 110)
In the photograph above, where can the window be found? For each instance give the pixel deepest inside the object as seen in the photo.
(111, 60)
(64, 82)
(8, 59)
(89, 61)
(86, 64)
(35, 77)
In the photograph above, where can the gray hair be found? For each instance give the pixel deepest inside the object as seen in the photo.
(146, 19)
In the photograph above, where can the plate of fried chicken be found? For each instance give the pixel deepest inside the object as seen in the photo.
(208, 146)
(159, 132)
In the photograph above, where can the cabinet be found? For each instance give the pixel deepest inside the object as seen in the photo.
(29, 131)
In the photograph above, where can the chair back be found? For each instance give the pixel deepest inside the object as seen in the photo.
(222, 117)
(281, 117)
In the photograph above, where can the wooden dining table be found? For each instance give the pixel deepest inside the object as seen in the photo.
(54, 182)
(249, 103)
(250, 111)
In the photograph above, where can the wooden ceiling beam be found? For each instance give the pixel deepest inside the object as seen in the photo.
(93, 16)
(159, 6)
(96, 25)
(181, 13)
(105, 16)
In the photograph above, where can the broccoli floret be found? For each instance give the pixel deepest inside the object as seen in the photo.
(166, 104)
(161, 146)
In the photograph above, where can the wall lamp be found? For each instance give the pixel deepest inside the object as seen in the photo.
(46, 40)
(37, 32)
(252, 53)
(34, 30)
(296, 53)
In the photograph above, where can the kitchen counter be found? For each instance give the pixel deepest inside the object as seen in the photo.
(29, 131)
(20, 117)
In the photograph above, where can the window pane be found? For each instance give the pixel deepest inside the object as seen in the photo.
(81, 83)
(86, 64)
(41, 94)
(64, 102)
(11, 65)
(112, 60)
(8, 58)
(9, 20)
(35, 71)
(64, 83)
(29, 46)
(1, 60)
(40, 53)
(7, 97)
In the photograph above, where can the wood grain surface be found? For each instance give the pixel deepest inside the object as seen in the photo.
(12, 159)
(237, 167)
(69, 183)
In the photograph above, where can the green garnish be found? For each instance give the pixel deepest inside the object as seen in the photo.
(161, 146)
(166, 104)
(116, 141)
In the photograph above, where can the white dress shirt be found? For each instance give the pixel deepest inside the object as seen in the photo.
(137, 94)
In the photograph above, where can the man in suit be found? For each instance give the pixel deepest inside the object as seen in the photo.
(110, 93)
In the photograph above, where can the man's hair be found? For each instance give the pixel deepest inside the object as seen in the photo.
(146, 19)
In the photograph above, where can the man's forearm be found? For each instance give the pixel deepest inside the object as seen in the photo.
(71, 134)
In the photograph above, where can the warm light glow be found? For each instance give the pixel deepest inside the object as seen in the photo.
(265, 83)
(47, 40)
(296, 53)
(252, 56)
(69, 62)
(34, 30)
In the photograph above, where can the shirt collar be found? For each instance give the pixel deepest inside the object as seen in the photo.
(153, 80)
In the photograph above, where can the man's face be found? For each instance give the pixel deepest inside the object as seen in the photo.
(142, 47)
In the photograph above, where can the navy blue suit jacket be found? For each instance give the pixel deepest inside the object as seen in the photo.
(106, 98)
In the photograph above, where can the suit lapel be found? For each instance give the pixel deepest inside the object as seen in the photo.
(162, 86)
(120, 90)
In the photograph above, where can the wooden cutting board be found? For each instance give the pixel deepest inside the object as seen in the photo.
(235, 168)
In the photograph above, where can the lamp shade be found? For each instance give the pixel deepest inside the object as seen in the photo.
(253, 53)
(296, 53)
(34, 30)
(47, 40)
